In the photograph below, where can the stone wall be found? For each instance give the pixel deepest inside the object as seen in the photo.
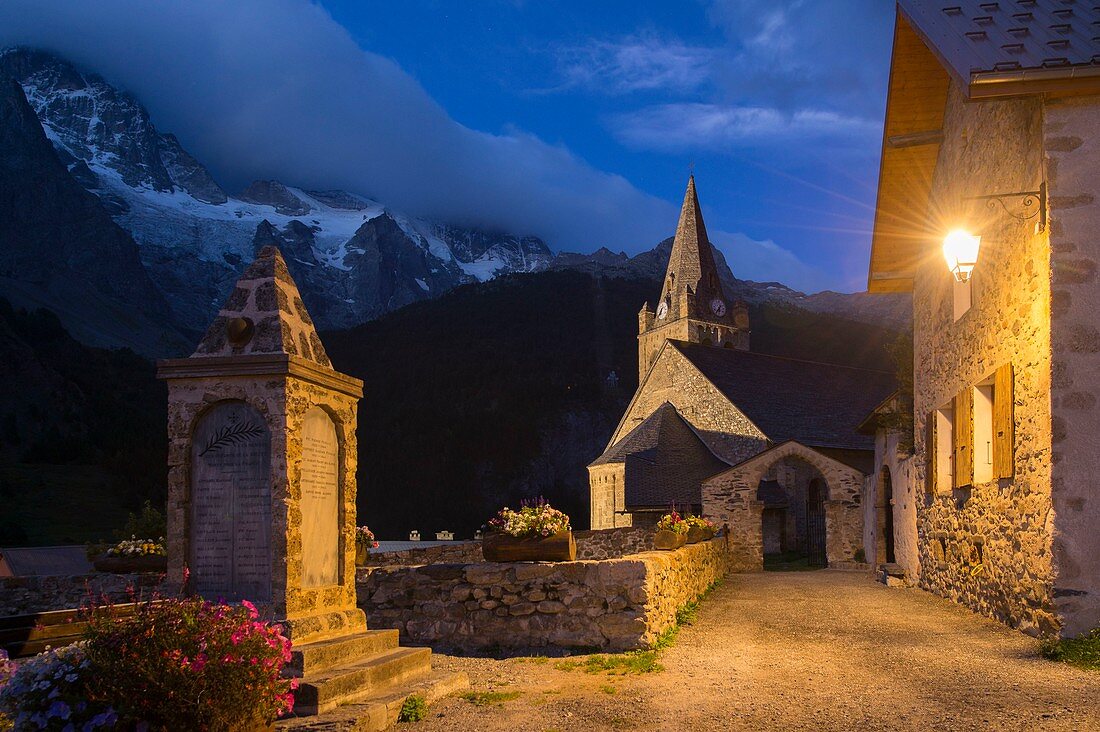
(676, 380)
(613, 604)
(731, 498)
(607, 496)
(1070, 137)
(25, 595)
(595, 544)
(461, 552)
(900, 467)
(988, 546)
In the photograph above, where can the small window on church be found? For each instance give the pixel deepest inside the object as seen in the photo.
(983, 431)
(945, 448)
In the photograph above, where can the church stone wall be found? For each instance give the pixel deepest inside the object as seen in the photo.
(607, 496)
(731, 498)
(675, 380)
(989, 546)
(1070, 135)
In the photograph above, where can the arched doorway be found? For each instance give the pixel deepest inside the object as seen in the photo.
(793, 493)
(885, 518)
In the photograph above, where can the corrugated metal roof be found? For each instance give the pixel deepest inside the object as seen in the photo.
(990, 44)
(42, 561)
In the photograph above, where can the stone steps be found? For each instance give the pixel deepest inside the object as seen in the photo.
(311, 659)
(323, 692)
(379, 711)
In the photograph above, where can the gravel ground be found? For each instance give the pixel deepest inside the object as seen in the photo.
(824, 650)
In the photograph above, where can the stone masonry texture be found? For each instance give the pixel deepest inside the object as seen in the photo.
(989, 546)
(612, 604)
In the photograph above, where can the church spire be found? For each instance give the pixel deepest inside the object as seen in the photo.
(693, 308)
(691, 267)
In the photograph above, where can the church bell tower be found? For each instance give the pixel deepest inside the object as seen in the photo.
(693, 308)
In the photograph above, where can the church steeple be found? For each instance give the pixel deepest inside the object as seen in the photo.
(691, 268)
(693, 307)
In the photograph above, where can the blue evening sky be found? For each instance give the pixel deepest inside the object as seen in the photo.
(573, 120)
(777, 104)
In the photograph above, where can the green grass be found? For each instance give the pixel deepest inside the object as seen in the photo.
(609, 689)
(489, 698)
(1082, 652)
(533, 659)
(414, 709)
(639, 662)
(615, 664)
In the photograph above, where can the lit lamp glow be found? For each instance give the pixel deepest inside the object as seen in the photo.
(960, 249)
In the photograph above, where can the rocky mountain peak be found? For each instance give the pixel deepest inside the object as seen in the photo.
(275, 194)
(107, 129)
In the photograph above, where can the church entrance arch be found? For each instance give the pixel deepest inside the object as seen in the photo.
(790, 498)
(793, 493)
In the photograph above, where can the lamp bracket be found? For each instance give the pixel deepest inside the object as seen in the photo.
(1033, 201)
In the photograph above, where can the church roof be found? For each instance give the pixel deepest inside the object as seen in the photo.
(691, 263)
(817, 404)
(665, 461)
(264, 314)
(1011, 46)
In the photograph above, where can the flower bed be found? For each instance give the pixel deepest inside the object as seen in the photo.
(174, 664)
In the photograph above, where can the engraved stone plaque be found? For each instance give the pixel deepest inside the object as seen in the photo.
(320, 500)
(231, 505)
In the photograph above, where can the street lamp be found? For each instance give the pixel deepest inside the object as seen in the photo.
(960, 250)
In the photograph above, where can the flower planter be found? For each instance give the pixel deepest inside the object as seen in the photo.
(130, 565)
(697, 534)
(666, 540)
(361, 554)
(559, 547)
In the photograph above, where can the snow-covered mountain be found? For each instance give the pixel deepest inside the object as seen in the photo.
(354, 258)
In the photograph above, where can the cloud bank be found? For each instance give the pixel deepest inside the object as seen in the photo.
(278, 89)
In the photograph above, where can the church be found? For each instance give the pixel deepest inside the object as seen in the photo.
(766, 444)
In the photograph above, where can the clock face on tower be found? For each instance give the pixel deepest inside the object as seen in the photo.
(662, 311)
(718, 307)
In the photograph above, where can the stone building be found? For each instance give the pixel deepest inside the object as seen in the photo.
(764, 443)
(993, 127)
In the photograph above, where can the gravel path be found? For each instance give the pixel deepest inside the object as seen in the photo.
(824, 650)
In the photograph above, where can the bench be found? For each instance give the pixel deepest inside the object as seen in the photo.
(29, 635)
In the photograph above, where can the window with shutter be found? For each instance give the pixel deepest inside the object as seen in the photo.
(1004, 425)
(964, 438)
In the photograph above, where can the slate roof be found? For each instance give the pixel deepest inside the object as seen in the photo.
(817, 404)
(44, 561)
(665, 461)
(987, 44)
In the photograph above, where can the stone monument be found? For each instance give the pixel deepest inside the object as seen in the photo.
(262, 457)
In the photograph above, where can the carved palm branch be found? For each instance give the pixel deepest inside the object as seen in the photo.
(231, 435)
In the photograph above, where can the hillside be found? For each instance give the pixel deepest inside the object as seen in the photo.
(489, 394)
(498, 391)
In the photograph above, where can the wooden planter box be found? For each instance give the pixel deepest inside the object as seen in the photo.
(130, 565)
(666, 540)
(697, 534)
(559, 547)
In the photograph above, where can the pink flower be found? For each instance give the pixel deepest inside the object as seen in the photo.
(252, 613)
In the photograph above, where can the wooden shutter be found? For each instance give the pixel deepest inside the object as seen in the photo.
(964, 438)
(930, 453)
(1004, 425)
